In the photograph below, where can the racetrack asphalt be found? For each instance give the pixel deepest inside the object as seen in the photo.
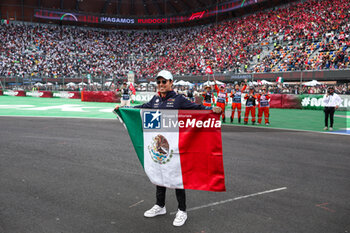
(82, 176)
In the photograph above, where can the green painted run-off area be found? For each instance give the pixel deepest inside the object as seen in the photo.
(312, 120)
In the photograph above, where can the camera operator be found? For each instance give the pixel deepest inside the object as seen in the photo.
(331, 102)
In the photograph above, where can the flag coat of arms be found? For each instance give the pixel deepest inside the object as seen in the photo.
(178, 148)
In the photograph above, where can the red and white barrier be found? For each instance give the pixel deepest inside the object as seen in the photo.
(42, 94)
(14, 93)
(67, 94)
(100, 96)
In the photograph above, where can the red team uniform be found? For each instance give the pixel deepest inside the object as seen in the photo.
(221, 100)
(264, 107)
(208, 98)
(250, 106)
(236, 102)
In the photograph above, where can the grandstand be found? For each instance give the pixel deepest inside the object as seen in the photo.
(291, 38)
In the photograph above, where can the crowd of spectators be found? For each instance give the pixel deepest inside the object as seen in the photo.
(308, 35)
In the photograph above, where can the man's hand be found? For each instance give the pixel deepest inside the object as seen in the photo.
(217, 109)
(116, 107)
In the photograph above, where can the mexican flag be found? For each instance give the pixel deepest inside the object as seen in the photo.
(5, 21)
(178, 148)
(279, 80)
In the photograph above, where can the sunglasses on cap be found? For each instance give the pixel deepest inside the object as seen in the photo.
(162, 81)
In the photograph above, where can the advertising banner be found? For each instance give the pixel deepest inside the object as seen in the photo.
(291, 101)
(42, 94)
(315, 102)
(276, 101)
(100, 96)
(143, 97)
(14, 93)
(67, 94)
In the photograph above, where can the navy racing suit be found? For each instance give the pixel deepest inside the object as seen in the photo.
(171, 101)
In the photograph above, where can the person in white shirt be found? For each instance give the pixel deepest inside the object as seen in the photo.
(331, 102)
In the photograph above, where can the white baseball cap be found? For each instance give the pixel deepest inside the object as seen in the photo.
(165, 74)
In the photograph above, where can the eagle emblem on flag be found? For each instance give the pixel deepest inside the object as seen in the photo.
(159, 150)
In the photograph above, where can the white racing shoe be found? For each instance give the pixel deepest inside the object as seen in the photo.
(154, 211)
(180, 219)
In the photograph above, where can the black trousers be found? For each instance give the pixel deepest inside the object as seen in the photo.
(180, 196)
(329, 111)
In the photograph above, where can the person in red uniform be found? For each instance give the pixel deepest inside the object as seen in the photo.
(236, 101)
(222, 99)
(208, 96)
(264, 106)
(250, 105)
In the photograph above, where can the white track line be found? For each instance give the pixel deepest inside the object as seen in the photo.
(233, 199)
(342, 116)
(285, 129)
(137, 203)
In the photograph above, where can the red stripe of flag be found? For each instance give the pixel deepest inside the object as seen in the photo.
(201, 153)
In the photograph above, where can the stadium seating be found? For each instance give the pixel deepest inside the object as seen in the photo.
(311, 35)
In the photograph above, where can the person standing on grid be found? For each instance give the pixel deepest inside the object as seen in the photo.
(125, 94)
(331, 102)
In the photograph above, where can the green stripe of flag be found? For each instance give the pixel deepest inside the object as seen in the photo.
(133, 123)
